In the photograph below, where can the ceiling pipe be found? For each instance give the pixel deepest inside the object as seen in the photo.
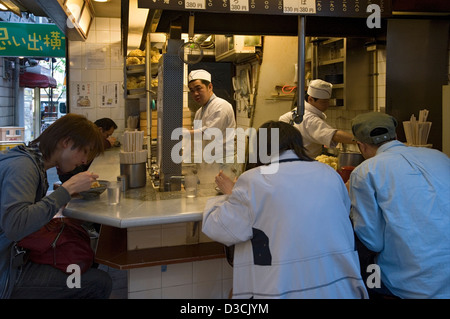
(301, 71)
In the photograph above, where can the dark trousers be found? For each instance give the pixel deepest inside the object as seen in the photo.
(46, 282)
(366, 258)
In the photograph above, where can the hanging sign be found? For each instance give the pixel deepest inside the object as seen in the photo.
(31, 40)
(239, 5)
(329, 8)
(299, 6)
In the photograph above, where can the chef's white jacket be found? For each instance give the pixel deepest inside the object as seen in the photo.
(314, 129)
(292, 232)
(216, 114)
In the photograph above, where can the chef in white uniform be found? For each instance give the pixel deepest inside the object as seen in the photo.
(214, 112)
(314, 129)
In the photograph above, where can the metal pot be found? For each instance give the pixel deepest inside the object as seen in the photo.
(349, 159)
(136, 174)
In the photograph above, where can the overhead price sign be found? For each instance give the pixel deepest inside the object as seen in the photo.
(31, 40)
(329, 8)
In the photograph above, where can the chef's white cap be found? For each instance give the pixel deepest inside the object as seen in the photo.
(320, 89)
(199, 75)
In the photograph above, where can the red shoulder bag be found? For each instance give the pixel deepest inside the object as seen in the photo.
(60, 243)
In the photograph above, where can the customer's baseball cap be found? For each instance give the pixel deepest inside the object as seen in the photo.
(363, 126)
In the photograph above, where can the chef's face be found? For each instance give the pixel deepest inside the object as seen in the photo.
(321, 104)
(200, 92)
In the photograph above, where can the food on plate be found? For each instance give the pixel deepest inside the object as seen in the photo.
(95, 184)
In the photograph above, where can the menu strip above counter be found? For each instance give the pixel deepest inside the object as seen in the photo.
(328, 8)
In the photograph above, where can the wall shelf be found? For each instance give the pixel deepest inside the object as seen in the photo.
(328, 62)
(344, 62)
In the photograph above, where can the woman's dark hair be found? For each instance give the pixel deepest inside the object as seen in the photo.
(105, 123)
(82, 132)
(289, 139)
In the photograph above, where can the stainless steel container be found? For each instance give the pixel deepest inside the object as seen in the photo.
(123, 179)
(136, 174)
(349, 159)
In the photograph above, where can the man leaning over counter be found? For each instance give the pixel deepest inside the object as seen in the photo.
(400, 208)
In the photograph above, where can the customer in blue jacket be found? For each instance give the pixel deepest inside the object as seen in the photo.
(25, 207)
(401, 210)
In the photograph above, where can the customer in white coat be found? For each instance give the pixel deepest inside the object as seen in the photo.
(315, 130)
(289, 222)
(211, 122)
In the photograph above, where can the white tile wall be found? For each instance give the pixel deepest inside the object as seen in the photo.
(147, 278)
(177, 274)
(177, 292)
(144, 237)
(199, 279)
(174, 234)
(104, 35)
(206, 279)
(207, 270)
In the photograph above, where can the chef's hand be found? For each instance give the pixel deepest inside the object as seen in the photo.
(80, 182)
(224, 183)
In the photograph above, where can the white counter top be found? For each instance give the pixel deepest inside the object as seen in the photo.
(138, 207)
(134, 212)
